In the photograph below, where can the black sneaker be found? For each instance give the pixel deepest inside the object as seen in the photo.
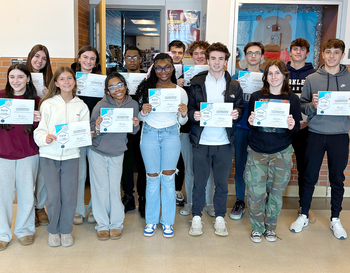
(142, 206)
(128, 202)
(238, 210)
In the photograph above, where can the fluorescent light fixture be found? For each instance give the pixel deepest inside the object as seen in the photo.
(143, 22)
(148, 29)
(151, 34)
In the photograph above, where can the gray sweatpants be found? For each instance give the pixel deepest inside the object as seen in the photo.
(61, 184)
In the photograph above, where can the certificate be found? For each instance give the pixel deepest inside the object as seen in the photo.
(133, 80)
(192, 70)
(90, 85)
(165, 100)
(216, 114)
(333, 103)
(16, 111)
(38, 81)
(250, 81)
(73, 135)
(271, 114)
(117, 120)
(178, 70)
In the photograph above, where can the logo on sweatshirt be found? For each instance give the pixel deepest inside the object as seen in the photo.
(342, 85)
(232, 96)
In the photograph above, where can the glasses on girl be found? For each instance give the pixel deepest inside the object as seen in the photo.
(160, 69)
(114, 87)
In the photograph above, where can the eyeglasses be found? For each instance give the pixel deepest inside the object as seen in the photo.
(129, 58)
(257, 53)
(114, 87)
(160, 69)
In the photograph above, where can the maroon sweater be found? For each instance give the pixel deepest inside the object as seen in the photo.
(15, 144)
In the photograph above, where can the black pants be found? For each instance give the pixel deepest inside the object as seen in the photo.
(219, 158)
(179, 178)
(337, 148)
(132, 157)
(299, 143)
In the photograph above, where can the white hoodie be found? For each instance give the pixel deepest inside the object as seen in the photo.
(56, 111)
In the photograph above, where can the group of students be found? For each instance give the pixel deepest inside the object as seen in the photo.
(263, 155)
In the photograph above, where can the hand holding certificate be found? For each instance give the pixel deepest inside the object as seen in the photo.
(73, 135)
(216, 114)
(165, 100)
(333, 103)
(271, 114)
(133, 80)
(16, 111)
(90, 85)
(117, 120)
(250, 81)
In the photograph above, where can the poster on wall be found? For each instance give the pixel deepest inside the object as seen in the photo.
(183, 25)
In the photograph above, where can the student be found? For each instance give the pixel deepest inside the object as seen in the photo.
(38, 61)
(269, 162)
(326, 134)
(160, 146)
(132, 155)
(60, 168)
(254, 53)
(298, 71)
(18, 162)
(88, 61)
(177, 49)
(212, 147)
(106, 160)
(197, 51)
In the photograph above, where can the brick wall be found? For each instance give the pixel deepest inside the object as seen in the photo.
(83, 22)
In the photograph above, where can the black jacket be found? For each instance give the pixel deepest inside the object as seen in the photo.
(198, 94)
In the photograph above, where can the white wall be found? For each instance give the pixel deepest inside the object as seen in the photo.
(27, 23)
(144, 42)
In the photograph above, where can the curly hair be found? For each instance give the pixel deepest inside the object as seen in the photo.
(151, 82)
(217, 47)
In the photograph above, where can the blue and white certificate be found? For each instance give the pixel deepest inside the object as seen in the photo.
(117, 120)
(38, 81)
(133, 80)
(73, 135)
(271, 114)
(192, 70)
(216, 114)
(16, 111)
(178, 70)
(165, 100)
(250, 81)
(90, 85)
(333, 103)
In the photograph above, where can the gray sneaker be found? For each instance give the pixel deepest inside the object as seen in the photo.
(238, 210)
(256, 236)
(186, 210)
(270, 236)
(210, 210)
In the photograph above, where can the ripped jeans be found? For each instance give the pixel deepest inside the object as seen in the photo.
(160, 149)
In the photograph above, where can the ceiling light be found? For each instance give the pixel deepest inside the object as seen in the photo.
(151, 34)
(143, 22)
(148, 29)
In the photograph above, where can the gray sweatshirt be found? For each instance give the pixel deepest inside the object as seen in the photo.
(323, 81)
(111, 144)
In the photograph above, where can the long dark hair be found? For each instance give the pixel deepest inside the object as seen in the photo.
(53, 89)
(285, 89)
(29, 94)
(47, 70)
(83, 49)
(151, 81)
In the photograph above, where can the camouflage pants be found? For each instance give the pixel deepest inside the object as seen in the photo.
(266, 176)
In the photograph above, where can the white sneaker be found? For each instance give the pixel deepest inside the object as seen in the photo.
(78, 219)
(210, 210)
(220, 226)
(299, 224)
(270, 236)
(196, 227)
(338, 231)
(54, 240)
(91, 218)
(67, 240)
(186, 210)
(256, 236)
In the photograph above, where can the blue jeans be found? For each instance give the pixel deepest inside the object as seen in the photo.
(160, 149)
(241, 145)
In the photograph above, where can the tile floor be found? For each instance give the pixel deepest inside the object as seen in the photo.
(313, 250)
